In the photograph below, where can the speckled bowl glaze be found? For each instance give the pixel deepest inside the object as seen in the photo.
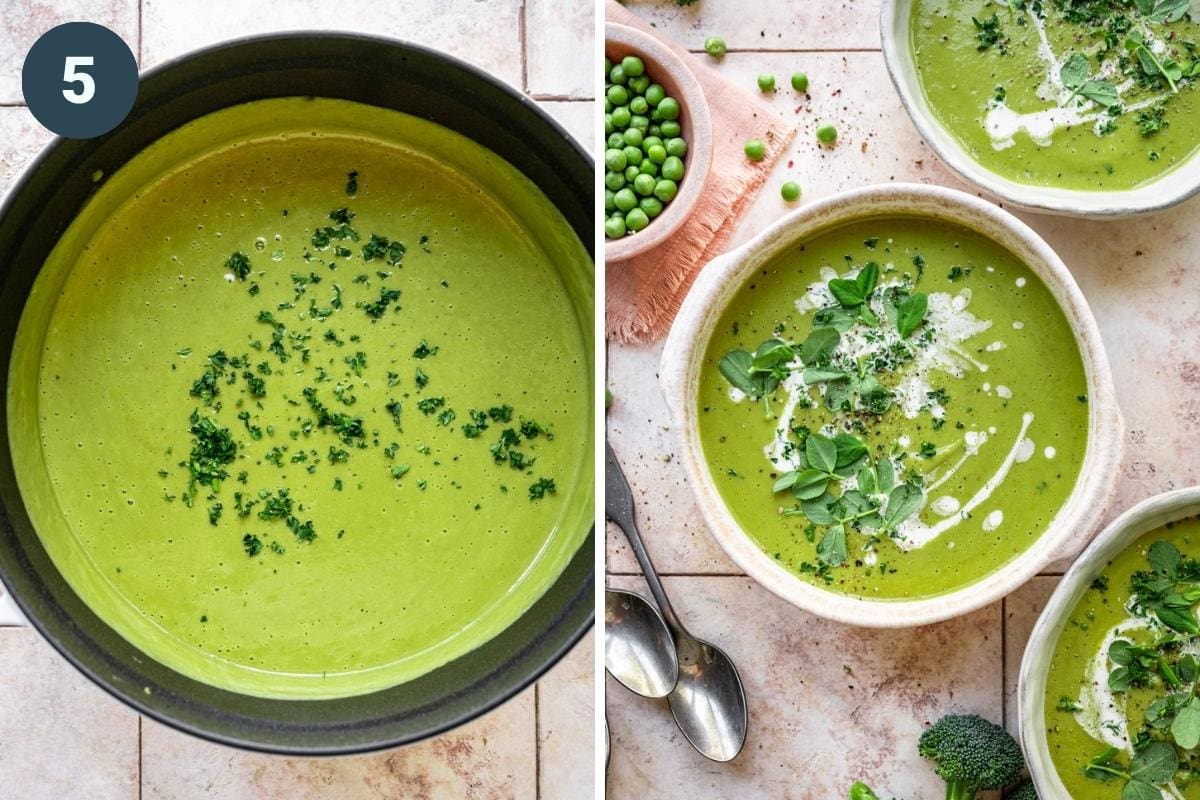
(1163, 192)
(1147, 515)
(668, 70)
(723, 277)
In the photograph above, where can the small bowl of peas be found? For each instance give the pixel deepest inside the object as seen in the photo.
(658, 142)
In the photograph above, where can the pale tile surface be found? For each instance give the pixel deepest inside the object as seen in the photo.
(20, 139)
(828, 704)
(797, 25)
(577, 116)
(559, 47)
(60, 736)
(484, 33)
(1021, 610)
(566, 717)
(22, 22)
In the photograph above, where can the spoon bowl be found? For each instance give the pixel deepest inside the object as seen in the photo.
(638, 649)
(709, 703)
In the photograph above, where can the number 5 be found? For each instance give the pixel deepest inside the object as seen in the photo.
(71, 75)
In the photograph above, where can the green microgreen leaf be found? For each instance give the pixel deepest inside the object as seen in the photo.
(911, 313)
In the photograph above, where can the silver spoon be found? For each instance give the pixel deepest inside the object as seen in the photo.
(638, 649)
(709, 704)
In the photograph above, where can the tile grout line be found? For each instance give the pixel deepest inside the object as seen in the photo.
(537, 741)
(1004, 662)
(140, 36)
(524, 48)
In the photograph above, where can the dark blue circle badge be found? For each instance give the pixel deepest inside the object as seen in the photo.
(80, 80)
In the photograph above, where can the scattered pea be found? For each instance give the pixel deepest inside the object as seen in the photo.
(800, 82)
(755, 149)
(614, 227)
(766, 83)
(715, 46)
(826, 133)
(668, 109)
(633, 66)
(790, 191)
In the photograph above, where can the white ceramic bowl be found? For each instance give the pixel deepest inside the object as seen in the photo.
(1123, 531)
(1170, 189)
(723, 277)
(669, 70)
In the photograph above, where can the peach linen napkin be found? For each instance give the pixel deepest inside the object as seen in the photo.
(644, 293)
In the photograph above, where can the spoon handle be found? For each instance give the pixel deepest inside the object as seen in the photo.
(618, 506)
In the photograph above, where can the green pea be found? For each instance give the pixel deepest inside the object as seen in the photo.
(608, 107)
(632, 172)
(715, 46)
(671, 128)
(609, 205)
(614, 160)
(676, 147)
(656, 153)
(614, 181)
(766, 83)
(614, 227)
(648, 167)
(638, 105)
(790, 191)
(615, 141)
(665, 190)
(636, 220)
(617, 75)
(625, 199)
(651, 205)
(621, 117)
(755, 149)
(633, 155)
(650, 141)
(672, 168)
(633, 66)
(826, 133)
(617, 95)
(633, 137)
(608, 65)
(639, 122)
(800, 82)
(639, 84)
(668, 108)
(608, 126)
(655, 94)
(644, 185)
(655, 129)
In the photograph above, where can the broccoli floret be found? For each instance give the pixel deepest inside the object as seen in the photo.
(1024, 792)
(972, 755)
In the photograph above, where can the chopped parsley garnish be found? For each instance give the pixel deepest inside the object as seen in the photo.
(352, 183)
(377, 309)
(541, 488)
(382, 248)
(251, 544)
(425, 350)
(239, 265)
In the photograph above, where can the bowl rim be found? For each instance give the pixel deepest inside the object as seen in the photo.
(699, 155)
(1168, 189)
(551, 653)
(1143, 517)
(720, 280)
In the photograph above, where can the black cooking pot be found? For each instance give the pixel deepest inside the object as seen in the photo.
(38, 210)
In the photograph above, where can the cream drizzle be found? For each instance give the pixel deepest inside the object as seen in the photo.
(1002, 123)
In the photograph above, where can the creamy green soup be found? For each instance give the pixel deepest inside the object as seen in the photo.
(300, 402)
(894, 409)
(1122, 704)
(1087, 94)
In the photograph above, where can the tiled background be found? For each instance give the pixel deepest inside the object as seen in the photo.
(61, 738)
(830, 704)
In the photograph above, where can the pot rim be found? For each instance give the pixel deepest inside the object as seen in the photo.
(1165, 191)
(133, 699)
(1138, 520)
(719, 282)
